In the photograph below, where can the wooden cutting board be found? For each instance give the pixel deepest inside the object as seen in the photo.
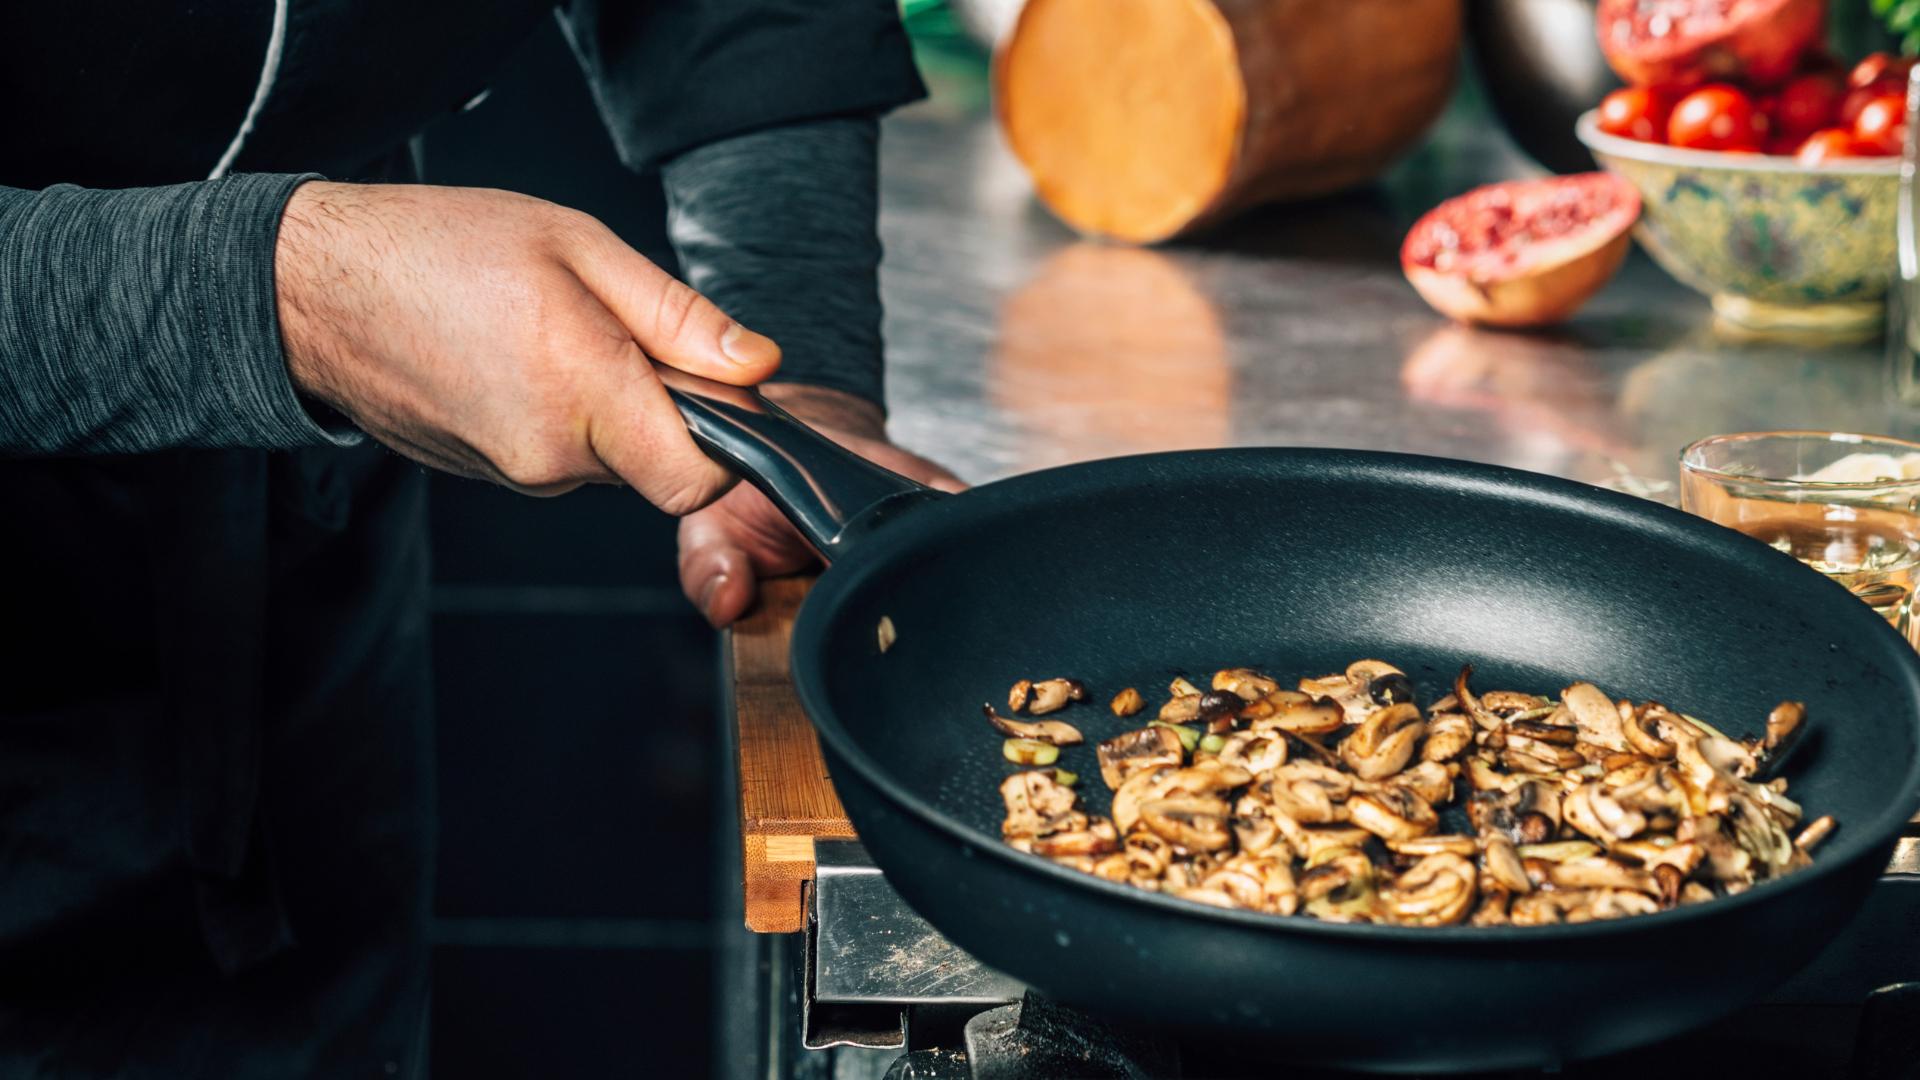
(786, 799)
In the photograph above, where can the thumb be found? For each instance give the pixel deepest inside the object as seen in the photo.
(672, 323)
(715, 572)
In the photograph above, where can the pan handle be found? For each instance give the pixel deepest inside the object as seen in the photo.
(832, 495)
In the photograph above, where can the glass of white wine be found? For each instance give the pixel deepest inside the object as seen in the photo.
(1846, 505)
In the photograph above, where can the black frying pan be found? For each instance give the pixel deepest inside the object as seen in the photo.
(1124, 572)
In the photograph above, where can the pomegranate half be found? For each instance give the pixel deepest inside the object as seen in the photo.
(1677, 44)
(1522, 252)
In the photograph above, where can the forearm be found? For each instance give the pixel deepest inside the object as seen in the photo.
(780, 228)
(144, 319)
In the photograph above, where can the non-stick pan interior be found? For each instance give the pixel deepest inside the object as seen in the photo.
(1127, 573)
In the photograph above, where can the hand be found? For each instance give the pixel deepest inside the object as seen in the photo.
(500, 336)
(728, 547)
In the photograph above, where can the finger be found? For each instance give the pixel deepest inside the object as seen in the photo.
(715, 573)
(673, 323)
(635, 430)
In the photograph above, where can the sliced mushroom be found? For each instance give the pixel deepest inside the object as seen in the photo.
(1430, 780)
(1038, 805)
(1057, 732)
(1601, 873)
(1018, 696)
(1501, 862)
(1294, 712)
(1256, 882)
(1052, 695)
(1339, 888)
(1437, 891)
(1098, 838)
(1591, 810)
(1255, 751)
(1448, 735)
(1450, 844)
(1126, 754)
(1246, 683)
(1127, 702)
(1383, 743)
(1193, 822)
(1392, 813)
(1595, 714)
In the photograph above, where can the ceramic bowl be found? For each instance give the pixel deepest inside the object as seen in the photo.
(1776, 244)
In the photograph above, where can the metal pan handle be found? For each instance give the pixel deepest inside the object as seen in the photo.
(833, 496)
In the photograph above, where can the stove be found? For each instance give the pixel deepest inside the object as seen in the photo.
(879, 995)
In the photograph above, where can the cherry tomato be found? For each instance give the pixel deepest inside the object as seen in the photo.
(1636, 112)
(1717, 117)
(1807, 103)
(1827, 145)
(1879, 67)
(1882, 124)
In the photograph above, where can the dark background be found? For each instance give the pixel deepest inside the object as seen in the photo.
(577, 739)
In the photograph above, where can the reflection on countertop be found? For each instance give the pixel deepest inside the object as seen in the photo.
(1015, 344)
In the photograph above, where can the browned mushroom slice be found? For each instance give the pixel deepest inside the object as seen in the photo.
(1451, 844)
(1392, 813)
(1448, 735)
(1430, 780)
(1148, 856)
(1057, 732)
(1647, 731)
(1602, 873)
(1502, 865)
(1037, 805)
(1339, 888)
(1595, 714)
(1383, 743)
(1437, 891)
(1491, 910)
(1313, 842)
(1193, 822)
(1612, 904)
(1245, 683)
(1260, 883)
(1591, 810)
(1255, 751)
(1052, 695)
(1126, 754)
(1098, 838)
(1310, 793)
(1293, 712)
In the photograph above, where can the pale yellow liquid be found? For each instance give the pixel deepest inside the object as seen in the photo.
(1874, 555)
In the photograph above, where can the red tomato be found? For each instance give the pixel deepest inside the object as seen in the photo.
(1877, 67)
(1882, 124)
(1827, 145)
(1717, 117)
(1636, 112)
(1807, 103)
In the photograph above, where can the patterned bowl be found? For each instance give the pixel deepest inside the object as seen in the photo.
(1776, 244)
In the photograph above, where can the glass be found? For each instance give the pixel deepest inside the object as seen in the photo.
(1846, 505)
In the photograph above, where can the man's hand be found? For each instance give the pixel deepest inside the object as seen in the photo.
(495, 335)
(728, 547)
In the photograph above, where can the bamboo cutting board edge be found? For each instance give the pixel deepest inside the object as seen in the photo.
(786, 798)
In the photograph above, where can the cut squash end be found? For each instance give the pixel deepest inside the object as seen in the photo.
(1127, 113)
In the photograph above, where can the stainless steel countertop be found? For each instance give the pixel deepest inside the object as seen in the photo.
(1016, 345)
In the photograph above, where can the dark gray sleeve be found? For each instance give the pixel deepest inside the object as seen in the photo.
(780, 228)
(144, 319)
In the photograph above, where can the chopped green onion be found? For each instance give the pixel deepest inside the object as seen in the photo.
(1030, 752)
(1189, 736)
